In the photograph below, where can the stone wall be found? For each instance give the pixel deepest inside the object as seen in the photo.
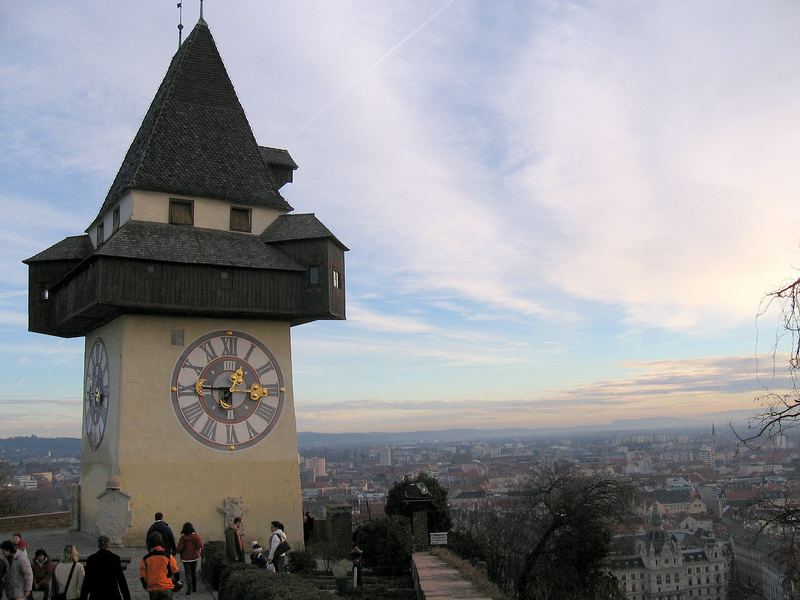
(41, 521)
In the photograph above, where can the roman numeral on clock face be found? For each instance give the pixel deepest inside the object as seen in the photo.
(186, 390)
(229, 346)
(208, 348)
(230, 434)
(265, 411)
(193, 413)
(265, 368)
(209, 430)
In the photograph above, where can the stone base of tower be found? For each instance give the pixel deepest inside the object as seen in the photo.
(154, 465)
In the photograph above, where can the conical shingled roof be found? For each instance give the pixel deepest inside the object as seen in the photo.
(195, 138)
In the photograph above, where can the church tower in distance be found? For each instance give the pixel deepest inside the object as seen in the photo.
(186, 285)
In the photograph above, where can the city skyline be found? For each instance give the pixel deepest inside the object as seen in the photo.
(557, 213)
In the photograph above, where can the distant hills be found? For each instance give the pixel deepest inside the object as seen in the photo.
(35, 445)
(310, 439)
(307, 439)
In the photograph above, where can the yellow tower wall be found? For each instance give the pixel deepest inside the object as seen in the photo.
(160, 465)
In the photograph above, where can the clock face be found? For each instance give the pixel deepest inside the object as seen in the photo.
(96, 397)
(227, 390)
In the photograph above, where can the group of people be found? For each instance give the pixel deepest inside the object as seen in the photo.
(159, 571)
(102, 577)
(275, 558)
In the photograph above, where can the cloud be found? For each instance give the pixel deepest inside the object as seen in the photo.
(679, 388)
(660, 140)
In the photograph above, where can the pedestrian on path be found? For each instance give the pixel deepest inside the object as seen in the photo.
(19, 577)
(190, 548)
(158, 570)
(68, 575)
(234, 544)
(104, 579)
(161, 526)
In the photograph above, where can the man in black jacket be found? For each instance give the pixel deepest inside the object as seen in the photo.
(104, 579)
(166, 533)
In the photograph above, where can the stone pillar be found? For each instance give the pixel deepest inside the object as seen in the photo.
(114, 516)
(75, 507)
(419, 529)
(341, 528)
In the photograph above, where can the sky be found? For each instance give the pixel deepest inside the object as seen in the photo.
(559, 213)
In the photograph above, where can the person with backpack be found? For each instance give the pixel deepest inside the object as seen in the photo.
(159, 571)
(278, 547)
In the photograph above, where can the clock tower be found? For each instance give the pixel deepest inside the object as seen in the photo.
(186, 286)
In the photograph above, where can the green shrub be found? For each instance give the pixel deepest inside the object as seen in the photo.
(234, 579)
(211, 568)
(386, 544)
(245, 582)
(301, 561)
(286, 586)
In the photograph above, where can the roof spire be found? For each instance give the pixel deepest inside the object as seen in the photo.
(180, 23)
(201, 12)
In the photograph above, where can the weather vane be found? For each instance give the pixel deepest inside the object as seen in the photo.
(180, 23)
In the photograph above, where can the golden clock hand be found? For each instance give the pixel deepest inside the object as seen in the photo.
(257, 391)
(237, 378)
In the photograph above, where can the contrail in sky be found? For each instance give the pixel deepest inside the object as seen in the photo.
(371, 68)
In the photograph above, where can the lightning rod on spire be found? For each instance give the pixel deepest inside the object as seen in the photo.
(180, 23)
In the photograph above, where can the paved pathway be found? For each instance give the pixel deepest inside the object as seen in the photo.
(54, 540)
(439, 581)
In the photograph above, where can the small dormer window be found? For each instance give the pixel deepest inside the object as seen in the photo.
(313, 276)
(181, 212)
(115, 219)
(101, 233)
(240, 219)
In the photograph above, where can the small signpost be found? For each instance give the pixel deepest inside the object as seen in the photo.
(439, 539)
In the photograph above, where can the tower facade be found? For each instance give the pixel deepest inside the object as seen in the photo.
(186, 285)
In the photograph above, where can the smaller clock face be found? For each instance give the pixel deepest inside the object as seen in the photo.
(96, 397)
(227, 390)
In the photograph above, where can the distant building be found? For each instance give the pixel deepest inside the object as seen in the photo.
(661, 568)
(385, 457)
(761, 563)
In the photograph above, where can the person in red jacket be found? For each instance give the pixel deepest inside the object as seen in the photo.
(158, 569)
(190, 547)
(43, 569)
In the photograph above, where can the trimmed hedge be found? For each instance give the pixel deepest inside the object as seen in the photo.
(386, 544)
(243, 581)
(301, 561)
(248, 582)
(212, 565)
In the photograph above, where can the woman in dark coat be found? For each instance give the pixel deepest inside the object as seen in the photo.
(104, 579)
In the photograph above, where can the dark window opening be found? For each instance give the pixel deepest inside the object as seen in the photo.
(115, 219)
(181, 212)
(313, 276)
(101, 233)
(240, 219)
(176, 337)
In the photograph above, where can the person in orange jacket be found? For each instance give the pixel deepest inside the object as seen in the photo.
(158, 570)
